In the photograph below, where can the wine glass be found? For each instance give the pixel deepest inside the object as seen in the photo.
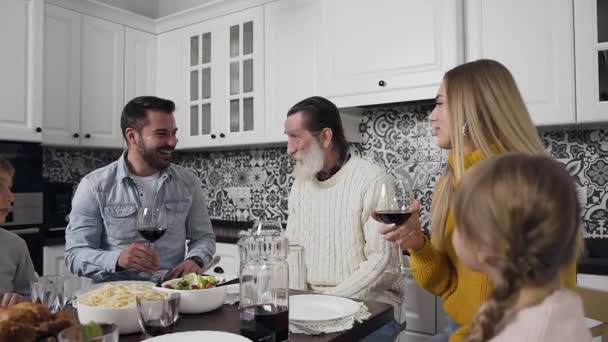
(158, 316)
(152, 223)
(394, 207)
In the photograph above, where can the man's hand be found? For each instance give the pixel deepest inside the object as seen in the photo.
(10, 299)
(139, 257)
(185, 267)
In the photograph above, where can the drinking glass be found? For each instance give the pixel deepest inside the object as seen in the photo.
(158, 317)
(76, 334)
(74, 285)
(394, 207)
(48, 290)
(152, 225)
(152, 222)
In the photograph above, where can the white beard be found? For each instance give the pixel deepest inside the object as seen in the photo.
(309, 162)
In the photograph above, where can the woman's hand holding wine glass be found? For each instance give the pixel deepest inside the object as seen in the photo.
(399, 213)
(406, 234)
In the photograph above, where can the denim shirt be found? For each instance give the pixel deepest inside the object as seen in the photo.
(104, 215)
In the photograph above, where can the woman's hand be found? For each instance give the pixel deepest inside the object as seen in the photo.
(408, 235)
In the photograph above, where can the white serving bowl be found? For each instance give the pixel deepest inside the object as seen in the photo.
(125, 318)
(199, 300)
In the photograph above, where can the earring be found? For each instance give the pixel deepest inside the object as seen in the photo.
(465, 129)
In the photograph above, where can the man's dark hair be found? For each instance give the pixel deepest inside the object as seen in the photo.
(134, 113)
(319, 113)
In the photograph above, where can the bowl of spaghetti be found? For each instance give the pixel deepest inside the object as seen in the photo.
(114, 302)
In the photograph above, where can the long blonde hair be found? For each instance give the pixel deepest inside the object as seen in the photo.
(485, 104)
(525, 210)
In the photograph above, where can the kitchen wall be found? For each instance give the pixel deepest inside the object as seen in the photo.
(396, 137)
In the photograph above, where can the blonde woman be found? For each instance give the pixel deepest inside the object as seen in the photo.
(517, 221)
(479, 113)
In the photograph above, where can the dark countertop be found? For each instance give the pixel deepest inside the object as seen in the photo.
(594, 260)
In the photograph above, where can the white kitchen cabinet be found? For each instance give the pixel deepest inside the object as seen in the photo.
(534, 40)
(102, 83)
(84, 78)
(290, 59)
(21, 35)
(220, 77)
(386, 51)
(61, 117)
(140, 64)
(54, 260)
(230, 259)
(591, 51)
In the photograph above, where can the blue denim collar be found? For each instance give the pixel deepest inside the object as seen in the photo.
(123, 171)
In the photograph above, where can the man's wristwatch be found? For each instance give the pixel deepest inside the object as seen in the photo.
(197, 260)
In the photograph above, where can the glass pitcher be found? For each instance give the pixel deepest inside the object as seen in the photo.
(264, 302)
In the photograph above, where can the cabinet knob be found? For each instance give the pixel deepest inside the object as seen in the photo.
(222, 135)
(38, 129)
(382, 83)
(75, 135)
(88, 136)
(213, 136)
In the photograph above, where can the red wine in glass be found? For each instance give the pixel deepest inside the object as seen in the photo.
(151, 233)
(397, 216)
(158, 327)
(265, 322)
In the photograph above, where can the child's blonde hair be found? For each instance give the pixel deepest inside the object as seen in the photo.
(6, 168)
(525, 210)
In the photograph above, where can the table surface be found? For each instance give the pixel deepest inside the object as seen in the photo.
(227, 319)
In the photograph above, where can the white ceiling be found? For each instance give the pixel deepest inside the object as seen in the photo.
(156, 8)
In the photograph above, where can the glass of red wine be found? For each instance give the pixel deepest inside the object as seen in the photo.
(158, 316)
(152, 223)
(394, 207)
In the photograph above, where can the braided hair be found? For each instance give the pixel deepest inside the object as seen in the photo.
(525, 210)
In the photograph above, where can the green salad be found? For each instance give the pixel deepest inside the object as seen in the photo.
(193, 281)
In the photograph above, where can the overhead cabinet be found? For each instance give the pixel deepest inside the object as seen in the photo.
(92, 67)
(21, 36)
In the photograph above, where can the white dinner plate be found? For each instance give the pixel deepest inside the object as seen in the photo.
(312, 307)
(198, 336)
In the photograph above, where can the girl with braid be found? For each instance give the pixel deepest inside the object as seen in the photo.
(517, 221)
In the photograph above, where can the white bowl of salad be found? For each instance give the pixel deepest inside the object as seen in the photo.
(198, 292)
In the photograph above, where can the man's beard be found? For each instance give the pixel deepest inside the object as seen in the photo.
(309, 162)
(149, 155)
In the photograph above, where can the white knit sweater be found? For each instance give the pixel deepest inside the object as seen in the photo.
(345, 255)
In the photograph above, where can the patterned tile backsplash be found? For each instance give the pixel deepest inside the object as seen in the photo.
(397, 137)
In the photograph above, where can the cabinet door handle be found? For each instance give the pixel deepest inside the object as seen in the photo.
(75, 135)
(88, 136)
(222, 135)
(382, 83)
(38, 129)
(213, 136)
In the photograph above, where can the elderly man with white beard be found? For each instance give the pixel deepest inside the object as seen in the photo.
(330, 206)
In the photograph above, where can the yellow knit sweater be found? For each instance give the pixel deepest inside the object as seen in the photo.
(461, 289)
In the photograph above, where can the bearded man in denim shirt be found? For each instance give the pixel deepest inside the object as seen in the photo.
(102, 241)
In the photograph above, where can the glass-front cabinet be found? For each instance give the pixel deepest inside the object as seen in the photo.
(591, 49)
(224, 81)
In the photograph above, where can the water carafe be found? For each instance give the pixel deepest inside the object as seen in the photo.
(264, 275)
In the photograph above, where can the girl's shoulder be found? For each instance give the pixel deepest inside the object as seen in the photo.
(559, 317)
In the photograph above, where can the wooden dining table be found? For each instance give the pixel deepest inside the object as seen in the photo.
(226, 319)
